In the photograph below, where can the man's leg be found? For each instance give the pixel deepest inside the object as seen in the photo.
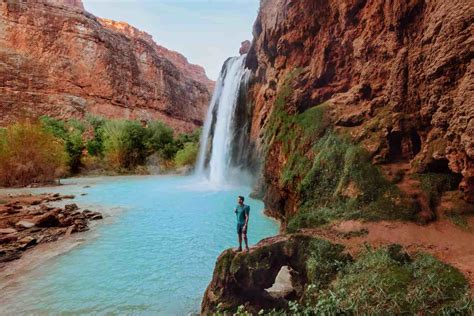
(239, 233)
(246, 241)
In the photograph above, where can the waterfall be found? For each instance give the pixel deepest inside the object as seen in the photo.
(215, 153)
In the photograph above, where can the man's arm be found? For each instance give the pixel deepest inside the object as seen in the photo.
(247, 214)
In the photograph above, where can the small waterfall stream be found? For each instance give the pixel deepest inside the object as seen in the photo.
(215, 154)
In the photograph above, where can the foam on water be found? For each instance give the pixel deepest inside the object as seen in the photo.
(156, 257)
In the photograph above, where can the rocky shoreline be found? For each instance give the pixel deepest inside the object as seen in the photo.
(27, 221)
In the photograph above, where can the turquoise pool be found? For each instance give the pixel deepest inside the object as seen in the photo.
(155, 256)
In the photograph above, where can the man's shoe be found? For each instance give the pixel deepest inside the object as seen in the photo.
(239, 249)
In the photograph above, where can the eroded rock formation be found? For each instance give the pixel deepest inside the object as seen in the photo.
(57, 59)
(242, 278)
(27, 221)
(396, 77)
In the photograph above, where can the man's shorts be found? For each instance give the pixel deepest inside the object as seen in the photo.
(240, 228)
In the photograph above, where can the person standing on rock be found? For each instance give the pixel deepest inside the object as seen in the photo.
(242, 211)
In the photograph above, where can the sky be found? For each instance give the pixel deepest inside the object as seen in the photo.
(206, 32)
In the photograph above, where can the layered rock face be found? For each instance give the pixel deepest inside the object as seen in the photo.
(394, 77)
(57, 59)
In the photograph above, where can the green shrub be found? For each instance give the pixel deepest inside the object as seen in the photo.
(74, 147)
(95, 146)
(193, 137)
(124, 144)
(187, 156)
(71, 134)
(380, 282)
(324, 261)
(55, 127)
(160, 140)
(385, 281)
(30, 154)
(434, 184)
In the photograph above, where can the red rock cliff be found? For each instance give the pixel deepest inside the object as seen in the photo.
(396, 76)
(59, 60)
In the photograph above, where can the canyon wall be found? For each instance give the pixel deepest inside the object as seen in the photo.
(362, 110)
(393, 77)
(57, 59)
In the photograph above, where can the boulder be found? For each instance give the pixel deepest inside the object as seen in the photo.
(8, 238)
(242, 278)
(71, 207)
(12, 210)
(47, 220)
(7, 231)
(10, 255)
(27, 241)
(24, 224)
(36, 202)
(96, 216)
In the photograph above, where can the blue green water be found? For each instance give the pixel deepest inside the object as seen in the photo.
(154, 257)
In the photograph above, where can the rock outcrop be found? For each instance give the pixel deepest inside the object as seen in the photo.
(396, 78)
(57, 59)
(242, 278)
(328, 279)
(27, 221)
(245, 47)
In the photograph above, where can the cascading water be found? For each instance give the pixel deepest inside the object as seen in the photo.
(218, 131)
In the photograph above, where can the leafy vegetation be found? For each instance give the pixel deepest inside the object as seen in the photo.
(187, 156)
(324, 260)
(92, 144)
(30, 154)
(333, 177)
(71, 135)
(385, 281)
(95, 145)
(434, 184)
(124, 144)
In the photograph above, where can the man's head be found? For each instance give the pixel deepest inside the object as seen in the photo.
(240, 199)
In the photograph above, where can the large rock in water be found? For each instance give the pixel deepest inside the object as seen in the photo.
(57, 59)
(242, 278)
(396, 76)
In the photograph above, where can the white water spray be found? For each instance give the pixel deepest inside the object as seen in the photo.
(219, 122)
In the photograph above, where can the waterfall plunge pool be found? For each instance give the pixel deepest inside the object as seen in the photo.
(156, 256)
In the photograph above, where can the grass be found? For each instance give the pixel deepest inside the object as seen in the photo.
(342, 183)
(324, 260)
(3, 201)
(386, 281)
(380, 283)
(434, 184)
(333, 177)
(458, 220)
